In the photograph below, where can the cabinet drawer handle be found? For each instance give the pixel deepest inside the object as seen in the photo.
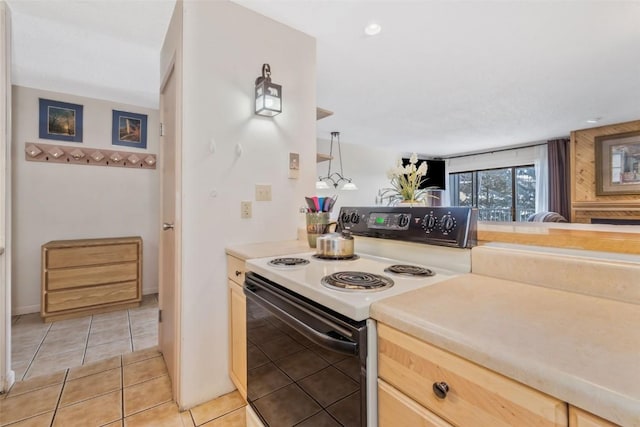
(441, 389)
(238, 273)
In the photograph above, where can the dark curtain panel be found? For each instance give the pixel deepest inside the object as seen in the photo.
(558, 150)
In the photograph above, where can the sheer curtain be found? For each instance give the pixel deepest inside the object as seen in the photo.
(558, 150)
(541, 166)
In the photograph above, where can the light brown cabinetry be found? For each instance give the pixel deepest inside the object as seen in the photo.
(396, 409)
(81, 277)
(580, 418)
(475, 396)
(237, 325)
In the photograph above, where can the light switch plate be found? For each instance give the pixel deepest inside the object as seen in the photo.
(263, 192)
(245, 209)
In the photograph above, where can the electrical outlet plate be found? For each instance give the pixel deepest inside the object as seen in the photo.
(245, 209)
(263, 192)
(294, 166)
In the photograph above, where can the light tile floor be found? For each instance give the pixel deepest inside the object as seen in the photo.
(39, 348)
(132, 390)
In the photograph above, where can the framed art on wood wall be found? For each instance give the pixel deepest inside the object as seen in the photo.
(61, 121)
(618, 164)
(129, 129)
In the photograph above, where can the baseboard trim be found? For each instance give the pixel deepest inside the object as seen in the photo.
(8, 381)
(27, 309)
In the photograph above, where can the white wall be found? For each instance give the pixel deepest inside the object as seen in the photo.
(60, 201)
(366, 166)
(224, 47)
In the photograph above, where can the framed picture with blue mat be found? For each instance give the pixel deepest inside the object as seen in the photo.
(61, 121)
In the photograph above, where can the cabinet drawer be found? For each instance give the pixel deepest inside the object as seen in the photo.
(81, 298)
(235, 269)
(90, 255)
(87, 276)
(580, 418)
(396, 409)
(477, 396)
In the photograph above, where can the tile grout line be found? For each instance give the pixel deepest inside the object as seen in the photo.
(33, 359)
(55, 410)
(122, 383)
(130, 331)
(86, 343)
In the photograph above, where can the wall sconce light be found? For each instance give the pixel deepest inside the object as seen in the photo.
(335, 178)
(268, 94)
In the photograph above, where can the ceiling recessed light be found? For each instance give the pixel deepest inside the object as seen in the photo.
(592, 121)
(372, 29)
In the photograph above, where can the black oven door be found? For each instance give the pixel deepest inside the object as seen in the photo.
(306, 364)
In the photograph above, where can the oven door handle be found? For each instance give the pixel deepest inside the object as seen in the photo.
(344, 347)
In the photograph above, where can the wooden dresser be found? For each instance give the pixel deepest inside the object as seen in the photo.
(89, 276)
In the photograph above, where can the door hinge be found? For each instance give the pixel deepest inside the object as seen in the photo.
(161, 129)
(159, 316)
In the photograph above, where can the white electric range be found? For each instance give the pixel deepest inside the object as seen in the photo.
(311, 345)
(306, 279)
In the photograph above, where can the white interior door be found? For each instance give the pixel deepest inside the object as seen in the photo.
(170, 237)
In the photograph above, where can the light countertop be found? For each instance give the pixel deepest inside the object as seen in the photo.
(264, 249)
(581, 349)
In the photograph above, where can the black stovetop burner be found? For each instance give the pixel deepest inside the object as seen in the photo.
(356, 281)
(410, 270)
(288, 262)
(336, 258)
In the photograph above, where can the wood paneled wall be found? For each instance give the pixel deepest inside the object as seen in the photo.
(584, 202)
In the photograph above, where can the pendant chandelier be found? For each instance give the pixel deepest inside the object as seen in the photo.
(335, 178)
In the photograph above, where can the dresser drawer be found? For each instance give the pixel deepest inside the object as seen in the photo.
(90, 255)
(476, 396)
(235, 269)
(87, 276)
(85, 297)
(395, 409)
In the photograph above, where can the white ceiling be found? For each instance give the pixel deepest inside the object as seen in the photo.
(443, 77)
(106, 49)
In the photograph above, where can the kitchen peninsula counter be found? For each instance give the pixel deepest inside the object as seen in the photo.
(582, 349)
(597, 237)
(265, 249)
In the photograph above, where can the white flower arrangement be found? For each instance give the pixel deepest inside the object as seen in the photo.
(405, 182)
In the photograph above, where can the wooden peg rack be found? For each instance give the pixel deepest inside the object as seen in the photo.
(81, 155)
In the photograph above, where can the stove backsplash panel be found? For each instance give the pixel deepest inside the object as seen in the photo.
(452, 226)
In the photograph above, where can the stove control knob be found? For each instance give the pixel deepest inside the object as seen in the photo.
(355, 218)
(345, 217)
(448, 224)
(429, 223)
(403, 220)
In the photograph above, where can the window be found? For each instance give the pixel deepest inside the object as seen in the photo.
(505, 194)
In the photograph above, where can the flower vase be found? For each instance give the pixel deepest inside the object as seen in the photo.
(410, 203)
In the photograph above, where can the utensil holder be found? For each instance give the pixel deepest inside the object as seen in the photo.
(317, 224)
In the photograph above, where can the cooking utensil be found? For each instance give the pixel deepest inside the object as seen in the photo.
(315, 203)
(332, 202)
(335, 245)
(310, 204)
(328, 204)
